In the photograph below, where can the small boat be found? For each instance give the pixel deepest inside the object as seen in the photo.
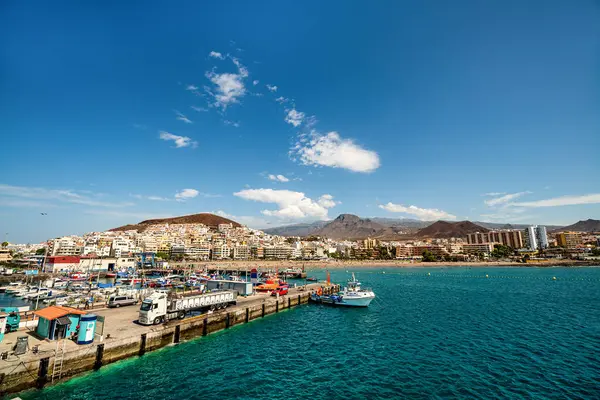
(312, 279)
(111, 275)
(351, 296)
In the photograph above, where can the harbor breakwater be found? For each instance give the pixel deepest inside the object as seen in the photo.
(37, 372)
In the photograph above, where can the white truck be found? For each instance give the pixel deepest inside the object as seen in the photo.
(161, 306)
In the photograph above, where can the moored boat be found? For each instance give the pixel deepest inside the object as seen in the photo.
(351, 296)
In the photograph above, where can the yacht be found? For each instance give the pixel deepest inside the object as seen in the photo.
(353, 295)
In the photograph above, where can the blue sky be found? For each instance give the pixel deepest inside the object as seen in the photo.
(114, 112)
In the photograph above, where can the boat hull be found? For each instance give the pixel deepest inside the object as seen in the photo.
(337, 302)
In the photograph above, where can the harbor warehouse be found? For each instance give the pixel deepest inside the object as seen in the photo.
(57, 322)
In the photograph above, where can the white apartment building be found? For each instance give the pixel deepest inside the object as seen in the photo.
(221, 252)
(278, 252)
(65, 247)
(241, 252)
(198, 252)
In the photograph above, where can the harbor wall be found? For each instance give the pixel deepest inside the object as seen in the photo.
(37, 373)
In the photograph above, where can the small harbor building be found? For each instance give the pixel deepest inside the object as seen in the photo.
(57, 322)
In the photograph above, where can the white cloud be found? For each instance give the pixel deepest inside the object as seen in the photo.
(255, 82)
(561, 201)
(228, 88)
(281, 100)
(180, 141)
(294, 117)
(331, 150)
(199, 109)
(191, 88)
(292, 205)
(504, 199)
(58, 195)
(271, 88)
(327, 201)
(186, 194)
(183, 118)
(216, 54)
(494, 194)
(125, 214)
(278, 178)
(424, 214)
(232, 123)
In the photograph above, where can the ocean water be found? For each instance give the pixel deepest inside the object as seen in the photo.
(451, 334)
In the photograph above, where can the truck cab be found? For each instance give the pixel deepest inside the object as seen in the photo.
(153, 309)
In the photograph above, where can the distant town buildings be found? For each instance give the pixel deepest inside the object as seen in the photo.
(507, 237)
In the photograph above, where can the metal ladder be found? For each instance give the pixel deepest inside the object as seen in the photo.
(59, 356)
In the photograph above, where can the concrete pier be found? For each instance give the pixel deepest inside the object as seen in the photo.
(124, 338)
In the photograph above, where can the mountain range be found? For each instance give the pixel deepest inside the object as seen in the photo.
(353, 227)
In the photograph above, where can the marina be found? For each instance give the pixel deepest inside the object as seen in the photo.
(435, 342)
(176, 307)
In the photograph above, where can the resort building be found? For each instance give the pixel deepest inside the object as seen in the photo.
(569, 240)
(476, 248)
(507, 237)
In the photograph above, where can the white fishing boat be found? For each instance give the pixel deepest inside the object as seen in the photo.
(353, 295)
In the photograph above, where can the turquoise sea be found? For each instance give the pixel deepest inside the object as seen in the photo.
(517, 334)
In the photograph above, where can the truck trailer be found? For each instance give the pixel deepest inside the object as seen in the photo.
(162, 307)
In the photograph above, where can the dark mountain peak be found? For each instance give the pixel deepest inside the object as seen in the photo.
(589, 225)
(347, 218)
(445, 229)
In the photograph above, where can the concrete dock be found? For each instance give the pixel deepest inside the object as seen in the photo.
(123, 338)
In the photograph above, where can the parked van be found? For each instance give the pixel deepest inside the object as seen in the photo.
(119, 301)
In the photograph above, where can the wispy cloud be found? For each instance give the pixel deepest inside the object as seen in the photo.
(255, 82)
(424, 214)
(227, 88)
(331, 150)
(137, 215)
(151, 197)
(191, 88)
(271, 88)
(140, 127)
(65, 196)
(216, 54)
(277, 178)
(199, 109)
(494, 194)
(282, 100)
(291, 205)
(294, 117)
(181, 117)
(231, 123)
(180, 141)
(505, 199)
(570, 200)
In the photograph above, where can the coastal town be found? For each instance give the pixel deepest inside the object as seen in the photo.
(167, 244)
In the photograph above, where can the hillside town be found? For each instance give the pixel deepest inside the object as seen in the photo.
(164, 243)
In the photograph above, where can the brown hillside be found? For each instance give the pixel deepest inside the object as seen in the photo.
(207, 219)
(445, 230)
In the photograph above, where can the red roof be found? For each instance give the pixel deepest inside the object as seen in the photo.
(54, 312)
(63, 260)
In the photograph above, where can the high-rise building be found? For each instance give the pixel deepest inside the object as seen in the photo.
(536, 237)
(569, 240)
